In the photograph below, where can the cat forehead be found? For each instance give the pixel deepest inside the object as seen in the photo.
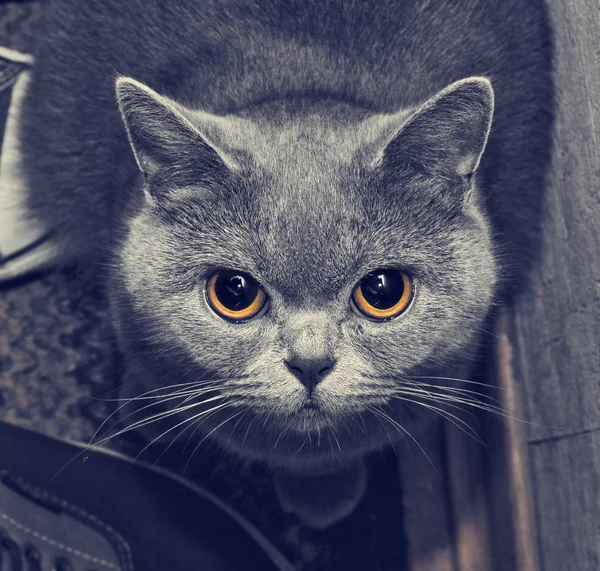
(288, 135)
(309, 199)
(307, 165)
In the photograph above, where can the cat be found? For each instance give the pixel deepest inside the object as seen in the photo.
(300, 209)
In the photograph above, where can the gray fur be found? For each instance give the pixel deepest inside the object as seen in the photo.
(306, 143)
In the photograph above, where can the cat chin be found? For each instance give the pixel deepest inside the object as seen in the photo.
(302, 462)
(334, 447)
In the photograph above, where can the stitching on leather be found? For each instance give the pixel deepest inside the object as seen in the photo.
(118, 542)
(58, 544)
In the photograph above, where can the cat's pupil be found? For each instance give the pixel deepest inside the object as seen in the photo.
(236, 291)
(383, 288)
(236, 285)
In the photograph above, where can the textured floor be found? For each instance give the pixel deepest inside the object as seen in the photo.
(56, 357)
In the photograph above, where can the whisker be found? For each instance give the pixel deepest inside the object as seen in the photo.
(89, 447)
(283, 431)
(455, 420)
(484, 407)
(419, 391)
(207, 435)
(302, 445)
(198, 425)
(154, 418)
(127, 401)
(335, 438)
(146, 407)
(197, 422)
(470, 402)
(363, 426)
(467, 381)
(236, 425)
(167, 448)
(416, 390)
(248, 430)
(118, 409)
(384, 426)
(148, 395)
(185, 421)
(404, 430)
(456, 390)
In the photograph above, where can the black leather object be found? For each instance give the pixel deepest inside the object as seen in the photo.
(107, 512)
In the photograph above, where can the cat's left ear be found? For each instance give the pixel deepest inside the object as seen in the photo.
(448, 134)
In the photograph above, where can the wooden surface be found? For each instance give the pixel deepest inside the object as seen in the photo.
(488, 482)
(468, 507)
(556, 325)
(512, 522)
(428, 510)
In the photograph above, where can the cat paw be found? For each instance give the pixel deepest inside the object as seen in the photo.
(319, 501)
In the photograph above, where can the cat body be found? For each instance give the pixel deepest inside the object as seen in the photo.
(305, 144)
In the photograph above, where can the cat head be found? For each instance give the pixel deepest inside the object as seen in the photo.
(305, 263)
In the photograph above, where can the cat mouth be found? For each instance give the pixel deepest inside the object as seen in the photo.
(310, 404)
(310, 417)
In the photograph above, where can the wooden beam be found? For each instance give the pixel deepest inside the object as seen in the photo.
(556, 322)
(508, 467)
(427, 516)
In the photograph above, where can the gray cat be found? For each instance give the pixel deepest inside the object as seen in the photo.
(291, 205)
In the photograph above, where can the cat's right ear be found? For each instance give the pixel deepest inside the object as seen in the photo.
(162, 136)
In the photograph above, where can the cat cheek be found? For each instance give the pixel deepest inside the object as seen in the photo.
(353, 328)
(358, 329)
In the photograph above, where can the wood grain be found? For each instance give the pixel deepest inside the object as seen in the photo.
(509, 485)
(489, 487)
(427, 511)
(567, 483)
(469, 498)
(557, 322)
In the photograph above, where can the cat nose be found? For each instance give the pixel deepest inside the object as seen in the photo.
(311, 370)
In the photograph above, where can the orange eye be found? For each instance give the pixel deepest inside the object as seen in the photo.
(235, 296)
(383, 294)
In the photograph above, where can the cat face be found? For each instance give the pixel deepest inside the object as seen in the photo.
(305, 266)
